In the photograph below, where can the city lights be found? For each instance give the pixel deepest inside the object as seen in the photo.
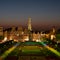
(29, 29)
(25, 41)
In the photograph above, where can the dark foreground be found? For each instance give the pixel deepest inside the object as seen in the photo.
(28, 51)
(31, 58)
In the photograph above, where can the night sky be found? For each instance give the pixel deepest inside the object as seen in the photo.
(44, 13)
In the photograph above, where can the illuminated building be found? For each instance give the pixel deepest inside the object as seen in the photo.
(34, 36)
(29, 25)
(52, 34)
(20, 34)
(20, 30)
(5, 35)
(29, 29)
(12, 33)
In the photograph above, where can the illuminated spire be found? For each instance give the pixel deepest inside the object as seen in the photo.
(29, 25)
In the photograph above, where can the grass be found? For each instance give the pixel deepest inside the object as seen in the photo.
(30, 49)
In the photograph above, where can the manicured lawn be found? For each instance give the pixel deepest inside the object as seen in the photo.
(31, 49)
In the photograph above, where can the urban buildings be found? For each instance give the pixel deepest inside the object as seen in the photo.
(20, 34)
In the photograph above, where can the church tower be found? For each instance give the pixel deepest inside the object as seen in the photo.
(30, 29)
(29, 25)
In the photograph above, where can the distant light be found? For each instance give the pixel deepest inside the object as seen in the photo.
(17, 34)
(52, 37)
(27, 39)
(38, 40)
(11, 38)
(5, 38)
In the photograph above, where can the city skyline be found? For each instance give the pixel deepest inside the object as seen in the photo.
(44, 13)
